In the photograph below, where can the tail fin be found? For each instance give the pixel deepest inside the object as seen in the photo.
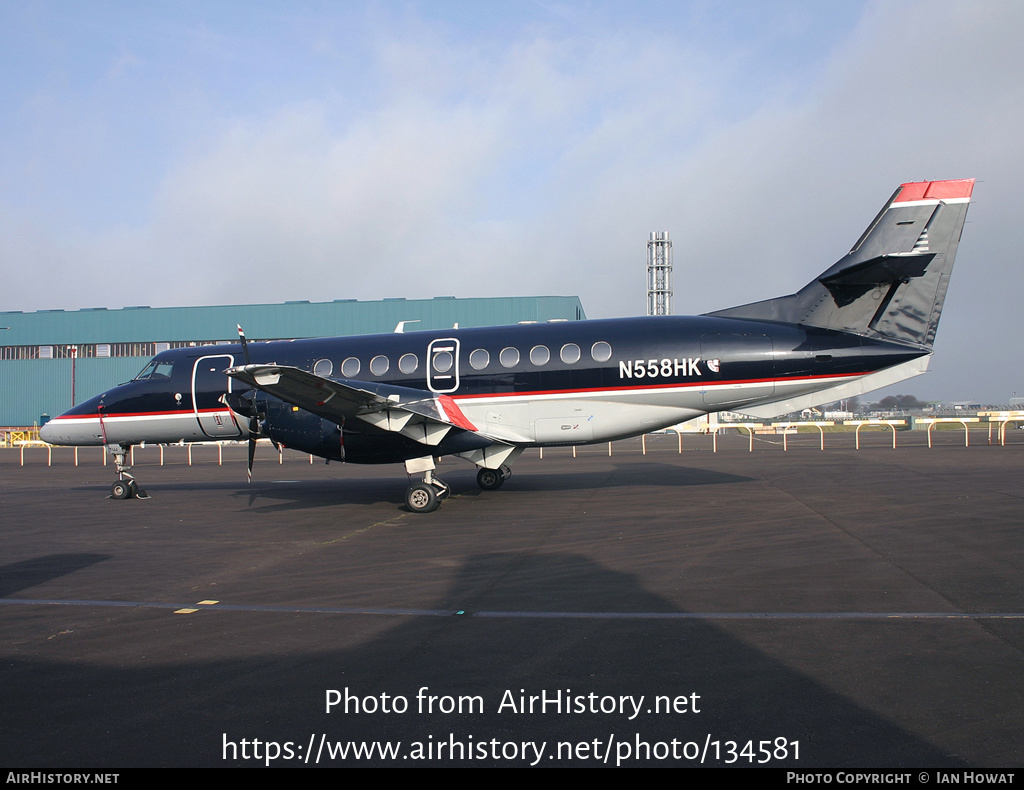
(893, 282)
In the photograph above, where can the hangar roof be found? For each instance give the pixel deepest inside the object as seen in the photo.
(50, 359)
(272, 321)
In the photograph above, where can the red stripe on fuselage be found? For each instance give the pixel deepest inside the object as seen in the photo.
(675, 385)
(107, 415)
(460, 420)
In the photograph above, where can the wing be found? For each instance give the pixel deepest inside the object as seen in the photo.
(422, 416)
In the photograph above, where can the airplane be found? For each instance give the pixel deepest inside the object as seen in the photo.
(486, 394)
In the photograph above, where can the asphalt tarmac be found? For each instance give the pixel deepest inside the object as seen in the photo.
(808, 608)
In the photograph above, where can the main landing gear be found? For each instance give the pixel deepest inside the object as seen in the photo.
(125, 487)
(426, 496)
(492, 479)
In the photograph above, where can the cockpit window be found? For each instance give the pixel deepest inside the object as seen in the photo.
(156, 370)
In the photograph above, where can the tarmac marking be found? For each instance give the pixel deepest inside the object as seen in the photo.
(187, 609)
(385, 523)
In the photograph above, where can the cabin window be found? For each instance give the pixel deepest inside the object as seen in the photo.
(379, 365)
(350, 367)
(443, 361)
(408, 363)
(323, 368)
(601, 351)
(539, 355)
(509, 357)
(479, 359)
(570, 354)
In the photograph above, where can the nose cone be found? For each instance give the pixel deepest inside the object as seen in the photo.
(72, 430)
(48, 433)
(77, 426)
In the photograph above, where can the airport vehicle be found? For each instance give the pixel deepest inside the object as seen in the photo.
(486, 394)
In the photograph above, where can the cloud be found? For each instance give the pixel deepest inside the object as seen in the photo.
(423, 193)
(535, 158)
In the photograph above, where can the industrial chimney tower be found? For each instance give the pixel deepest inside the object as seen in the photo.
(659, 274)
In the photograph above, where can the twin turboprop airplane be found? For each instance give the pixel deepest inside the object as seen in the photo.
(487, 394)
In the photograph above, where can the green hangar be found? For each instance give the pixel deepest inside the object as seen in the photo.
(53, 359)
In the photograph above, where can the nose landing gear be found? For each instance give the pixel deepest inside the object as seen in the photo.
(125, 487)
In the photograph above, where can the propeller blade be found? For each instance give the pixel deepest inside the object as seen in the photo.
(245, 345)
(254, 427)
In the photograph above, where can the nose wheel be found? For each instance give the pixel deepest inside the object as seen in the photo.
(125, 487)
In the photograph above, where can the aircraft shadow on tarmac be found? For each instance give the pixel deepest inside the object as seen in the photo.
(19, 576)
(182, 686)
(284, 494)
(287, 488)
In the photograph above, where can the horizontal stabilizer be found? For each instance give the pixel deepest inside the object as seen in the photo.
(849, 389)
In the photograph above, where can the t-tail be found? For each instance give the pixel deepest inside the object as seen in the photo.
(893, 282)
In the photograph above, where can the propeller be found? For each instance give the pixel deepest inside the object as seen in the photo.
(254, 419)
(246, 406)
(245, 345)
(254, 430)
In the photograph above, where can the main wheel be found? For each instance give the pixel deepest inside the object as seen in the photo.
(121, 489)
(489, 479)
(421, 498)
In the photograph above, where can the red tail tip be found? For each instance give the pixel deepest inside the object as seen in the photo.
(935, 190)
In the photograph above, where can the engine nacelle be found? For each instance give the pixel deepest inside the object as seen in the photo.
(301, 430)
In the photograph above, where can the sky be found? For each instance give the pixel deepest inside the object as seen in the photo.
(181, 153)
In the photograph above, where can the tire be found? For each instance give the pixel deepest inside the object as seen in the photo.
(489, 479)
(121, 489)
(421, 498)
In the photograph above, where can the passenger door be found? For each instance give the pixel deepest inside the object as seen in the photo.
(209, 383)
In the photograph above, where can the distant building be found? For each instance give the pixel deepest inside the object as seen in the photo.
(39, 351)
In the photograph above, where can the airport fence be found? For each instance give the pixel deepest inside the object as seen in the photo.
(989, 428)
(193, 452)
